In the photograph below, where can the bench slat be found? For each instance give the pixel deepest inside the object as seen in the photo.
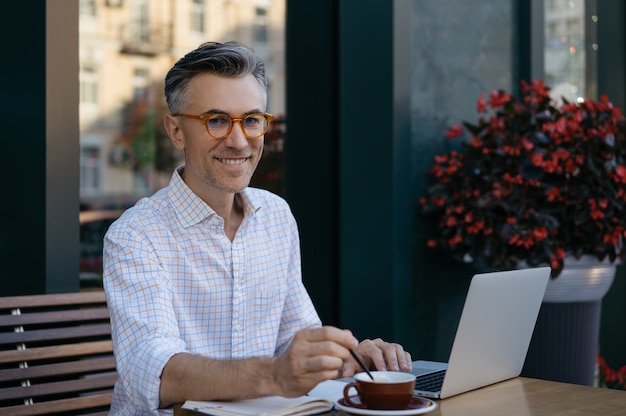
(57, 351)
(60, 406)
(91, 365)
(59, 387)
(61, 299)
(75, 332)
(79, 315)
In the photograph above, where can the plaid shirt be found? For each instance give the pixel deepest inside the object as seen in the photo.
(176, 283)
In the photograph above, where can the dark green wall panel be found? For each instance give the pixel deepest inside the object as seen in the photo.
(22, 211)
(311, 146)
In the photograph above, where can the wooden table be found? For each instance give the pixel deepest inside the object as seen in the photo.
(523, 397)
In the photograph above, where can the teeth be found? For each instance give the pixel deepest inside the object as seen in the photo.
(233, 161)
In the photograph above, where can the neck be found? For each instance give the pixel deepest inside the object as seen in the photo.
(227, 205)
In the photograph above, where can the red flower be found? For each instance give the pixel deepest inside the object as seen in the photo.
(610, 378)
(498, 99)
(554, 263)
(554, 195)
(511, 150)
(595, 212)
(481, 105)
(476, 142)
(475, 227)
(517, 179)
(540, 233)
(520, 240)
(537, 159)
(614, 237)
(528, 145)
(454, 132)
(457, 239)
(620, 174)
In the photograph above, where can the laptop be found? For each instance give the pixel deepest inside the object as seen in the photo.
(493, 336)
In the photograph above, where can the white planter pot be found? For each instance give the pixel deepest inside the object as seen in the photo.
(583, 280)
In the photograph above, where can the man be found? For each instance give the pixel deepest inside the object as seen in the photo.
(203, 279)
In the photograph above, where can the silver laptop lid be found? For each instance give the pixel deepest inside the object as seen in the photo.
(495, 329)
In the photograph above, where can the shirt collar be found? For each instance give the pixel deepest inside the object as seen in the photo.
(192, 210)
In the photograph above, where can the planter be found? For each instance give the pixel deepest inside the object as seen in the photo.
(584, 280)
(565, 342)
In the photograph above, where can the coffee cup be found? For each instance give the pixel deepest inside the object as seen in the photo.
(390, 390)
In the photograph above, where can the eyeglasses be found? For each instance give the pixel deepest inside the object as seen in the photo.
(220, 125)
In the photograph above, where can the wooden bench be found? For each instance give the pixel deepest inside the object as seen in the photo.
(56, 355)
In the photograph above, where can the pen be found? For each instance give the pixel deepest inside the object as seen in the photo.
(358, 360)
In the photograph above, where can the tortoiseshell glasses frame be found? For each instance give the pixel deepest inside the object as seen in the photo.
(219, 125)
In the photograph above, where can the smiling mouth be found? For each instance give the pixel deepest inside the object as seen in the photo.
(238, 161)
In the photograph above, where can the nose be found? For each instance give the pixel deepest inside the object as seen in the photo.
(236, 138)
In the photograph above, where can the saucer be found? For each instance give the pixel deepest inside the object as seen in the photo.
(417, 406)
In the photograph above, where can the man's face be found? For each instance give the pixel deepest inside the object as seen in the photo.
(215, 166)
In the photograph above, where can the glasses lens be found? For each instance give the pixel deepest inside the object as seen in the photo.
(219, 125)
(255, 125)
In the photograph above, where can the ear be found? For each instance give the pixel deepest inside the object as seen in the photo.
(175, 133)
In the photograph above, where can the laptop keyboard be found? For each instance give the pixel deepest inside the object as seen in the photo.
(430, 382)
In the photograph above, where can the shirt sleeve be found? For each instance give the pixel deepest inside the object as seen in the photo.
(145, 330)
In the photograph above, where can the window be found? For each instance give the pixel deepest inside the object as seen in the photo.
(568, 43)
(141, 84)
(89, 170)
(87, 7)
(197, 16)
(88, 84)
(141, 21)
(260, 25)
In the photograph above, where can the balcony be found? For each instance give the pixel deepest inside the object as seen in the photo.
(143, 38)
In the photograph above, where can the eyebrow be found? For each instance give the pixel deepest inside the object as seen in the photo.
(218, 111)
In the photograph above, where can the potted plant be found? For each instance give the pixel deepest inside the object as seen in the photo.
(536, 183)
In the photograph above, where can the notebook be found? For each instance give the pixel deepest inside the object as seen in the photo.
(493, 335)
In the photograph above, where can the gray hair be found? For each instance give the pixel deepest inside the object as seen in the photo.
(229, 59)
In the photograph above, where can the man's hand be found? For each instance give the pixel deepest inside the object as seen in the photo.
(379, 355)
(313, 356)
